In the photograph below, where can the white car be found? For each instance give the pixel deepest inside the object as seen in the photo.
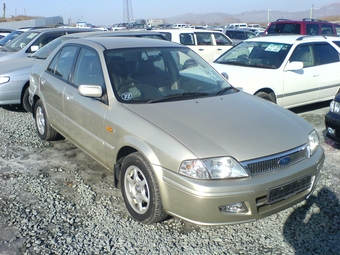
(209, 44)
(291, 70)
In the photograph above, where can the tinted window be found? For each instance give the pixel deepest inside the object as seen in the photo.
(312, 29)
(62, 63)
(326, 53)
(187, 39)
(284, 28)
(327, 29)
(204, 39)
(46, 38)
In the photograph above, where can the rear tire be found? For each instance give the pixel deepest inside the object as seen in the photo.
(140, 190)
(45, 130)
(270, 97)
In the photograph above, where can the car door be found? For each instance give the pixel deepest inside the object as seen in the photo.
(53, 82)
(204, 46)
(222, 44)
(328, 68)
(84, 116)
(301, 86)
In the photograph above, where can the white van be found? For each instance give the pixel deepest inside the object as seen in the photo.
(237, 25)
(179, 25)
(209, 44)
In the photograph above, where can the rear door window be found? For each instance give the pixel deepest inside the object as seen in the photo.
(204, 39)
(326, 53)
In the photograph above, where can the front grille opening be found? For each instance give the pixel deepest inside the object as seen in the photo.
(275, 162)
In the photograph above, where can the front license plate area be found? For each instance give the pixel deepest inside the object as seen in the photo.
(289, 189)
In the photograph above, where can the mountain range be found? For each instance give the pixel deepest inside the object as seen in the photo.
(260, 16)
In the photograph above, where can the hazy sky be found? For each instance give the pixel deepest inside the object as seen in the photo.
(108, 12)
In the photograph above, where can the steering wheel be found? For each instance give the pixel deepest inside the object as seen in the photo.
(244, 58)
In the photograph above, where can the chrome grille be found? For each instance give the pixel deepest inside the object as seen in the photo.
(276, 162)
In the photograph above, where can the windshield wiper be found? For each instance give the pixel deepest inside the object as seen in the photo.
(222, 91)
(184, 95)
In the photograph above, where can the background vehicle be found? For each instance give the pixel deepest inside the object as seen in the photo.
(15, 73)
(290, 70)
(302, 27)
(4, 32)
(30, 41)
(332, 119)
(142, 110)
(238, 35)
(209, 44)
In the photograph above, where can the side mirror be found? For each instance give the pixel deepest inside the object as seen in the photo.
(294, 66)
(225, 75)
(34, 48)
(90, 91)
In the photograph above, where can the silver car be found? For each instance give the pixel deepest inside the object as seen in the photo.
(14, 73)
(179, 139)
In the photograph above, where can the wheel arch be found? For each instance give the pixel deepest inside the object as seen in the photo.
(133, 144)
(268, 91)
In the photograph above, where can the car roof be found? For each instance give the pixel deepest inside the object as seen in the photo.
(187, 30)
(291, 39)
(113, 33)
(42, 30)
(124, 42)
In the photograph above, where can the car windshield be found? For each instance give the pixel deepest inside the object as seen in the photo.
(19, 42)
(10, 37)
(150, 75)
(256, 54)
(46, 50)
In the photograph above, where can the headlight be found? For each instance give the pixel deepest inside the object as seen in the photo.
(313, 142)
(213, 168)
(4, 79)
(335, 107)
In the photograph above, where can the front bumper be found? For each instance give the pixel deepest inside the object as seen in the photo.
(332, 122)
(200, 201)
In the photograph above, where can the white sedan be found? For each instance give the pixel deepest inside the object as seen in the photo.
(289, 70)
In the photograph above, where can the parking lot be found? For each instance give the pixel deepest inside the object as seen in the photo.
(54, 199)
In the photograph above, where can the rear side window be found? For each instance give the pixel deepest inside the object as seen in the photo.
(187, 39)
(312, 29)
(221, 39)
(204, 39)
(62, 62)
(327, 29)
(284, 28)
(326, 53)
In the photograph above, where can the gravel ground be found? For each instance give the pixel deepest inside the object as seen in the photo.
(54, 199)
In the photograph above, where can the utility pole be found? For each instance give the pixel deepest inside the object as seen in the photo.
(311, 12)
(268, 16)
(127, 12)
(4, 13)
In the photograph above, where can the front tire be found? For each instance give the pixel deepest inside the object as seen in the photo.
(140, 190)
(267, 96)
(25, 103)
(45, 130)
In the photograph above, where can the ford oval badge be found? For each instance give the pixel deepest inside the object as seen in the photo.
(284, 161)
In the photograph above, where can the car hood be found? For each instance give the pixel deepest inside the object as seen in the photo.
(254, 75)
(15, 64)
(239, 125)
